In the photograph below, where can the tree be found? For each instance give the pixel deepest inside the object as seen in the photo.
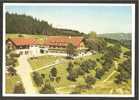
(71, 50)
(72, 75)
(27, 24)
(11, 70)
(38, 79)
(90, 80)
(114, 51)
(88, 65)
(124, 70)
(91, 45)
(18, 88)
(70, 66)
(54, 72)
(84, 67)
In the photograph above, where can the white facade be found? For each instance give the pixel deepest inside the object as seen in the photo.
(33, 51)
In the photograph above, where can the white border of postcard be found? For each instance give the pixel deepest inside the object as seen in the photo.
(72, 95)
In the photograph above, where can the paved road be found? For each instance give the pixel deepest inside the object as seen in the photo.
(23, 70)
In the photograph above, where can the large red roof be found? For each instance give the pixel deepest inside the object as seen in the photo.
(50, 41)
(24, 41)
(63, 40)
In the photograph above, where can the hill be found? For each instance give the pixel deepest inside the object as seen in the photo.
(116, 36)
(24, 24)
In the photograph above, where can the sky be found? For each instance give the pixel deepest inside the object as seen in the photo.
(101, 19)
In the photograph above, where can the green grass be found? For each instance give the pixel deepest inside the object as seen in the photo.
(10, 82)
(62, 72)
(13, 35)
(42, 61)
(101, 88)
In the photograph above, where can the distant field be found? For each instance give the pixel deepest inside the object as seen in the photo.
(24, 35)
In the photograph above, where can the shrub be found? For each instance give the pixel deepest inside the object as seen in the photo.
(18, 88)
(38, 79)
(14, 55)
(10, 61)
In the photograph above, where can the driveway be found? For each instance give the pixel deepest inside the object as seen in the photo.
(24, 71)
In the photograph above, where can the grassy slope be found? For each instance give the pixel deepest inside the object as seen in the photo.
(100, 86)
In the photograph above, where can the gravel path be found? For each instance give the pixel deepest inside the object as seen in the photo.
(24, 71)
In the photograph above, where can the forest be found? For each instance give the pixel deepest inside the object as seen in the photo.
(24, 24)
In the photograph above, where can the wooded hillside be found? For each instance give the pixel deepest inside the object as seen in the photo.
(24, 24)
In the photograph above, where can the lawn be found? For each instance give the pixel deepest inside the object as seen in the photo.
(62, 72)
(10, 82)
(61, 69)
(42, 61)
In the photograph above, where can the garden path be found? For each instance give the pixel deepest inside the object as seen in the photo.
(116, 66)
